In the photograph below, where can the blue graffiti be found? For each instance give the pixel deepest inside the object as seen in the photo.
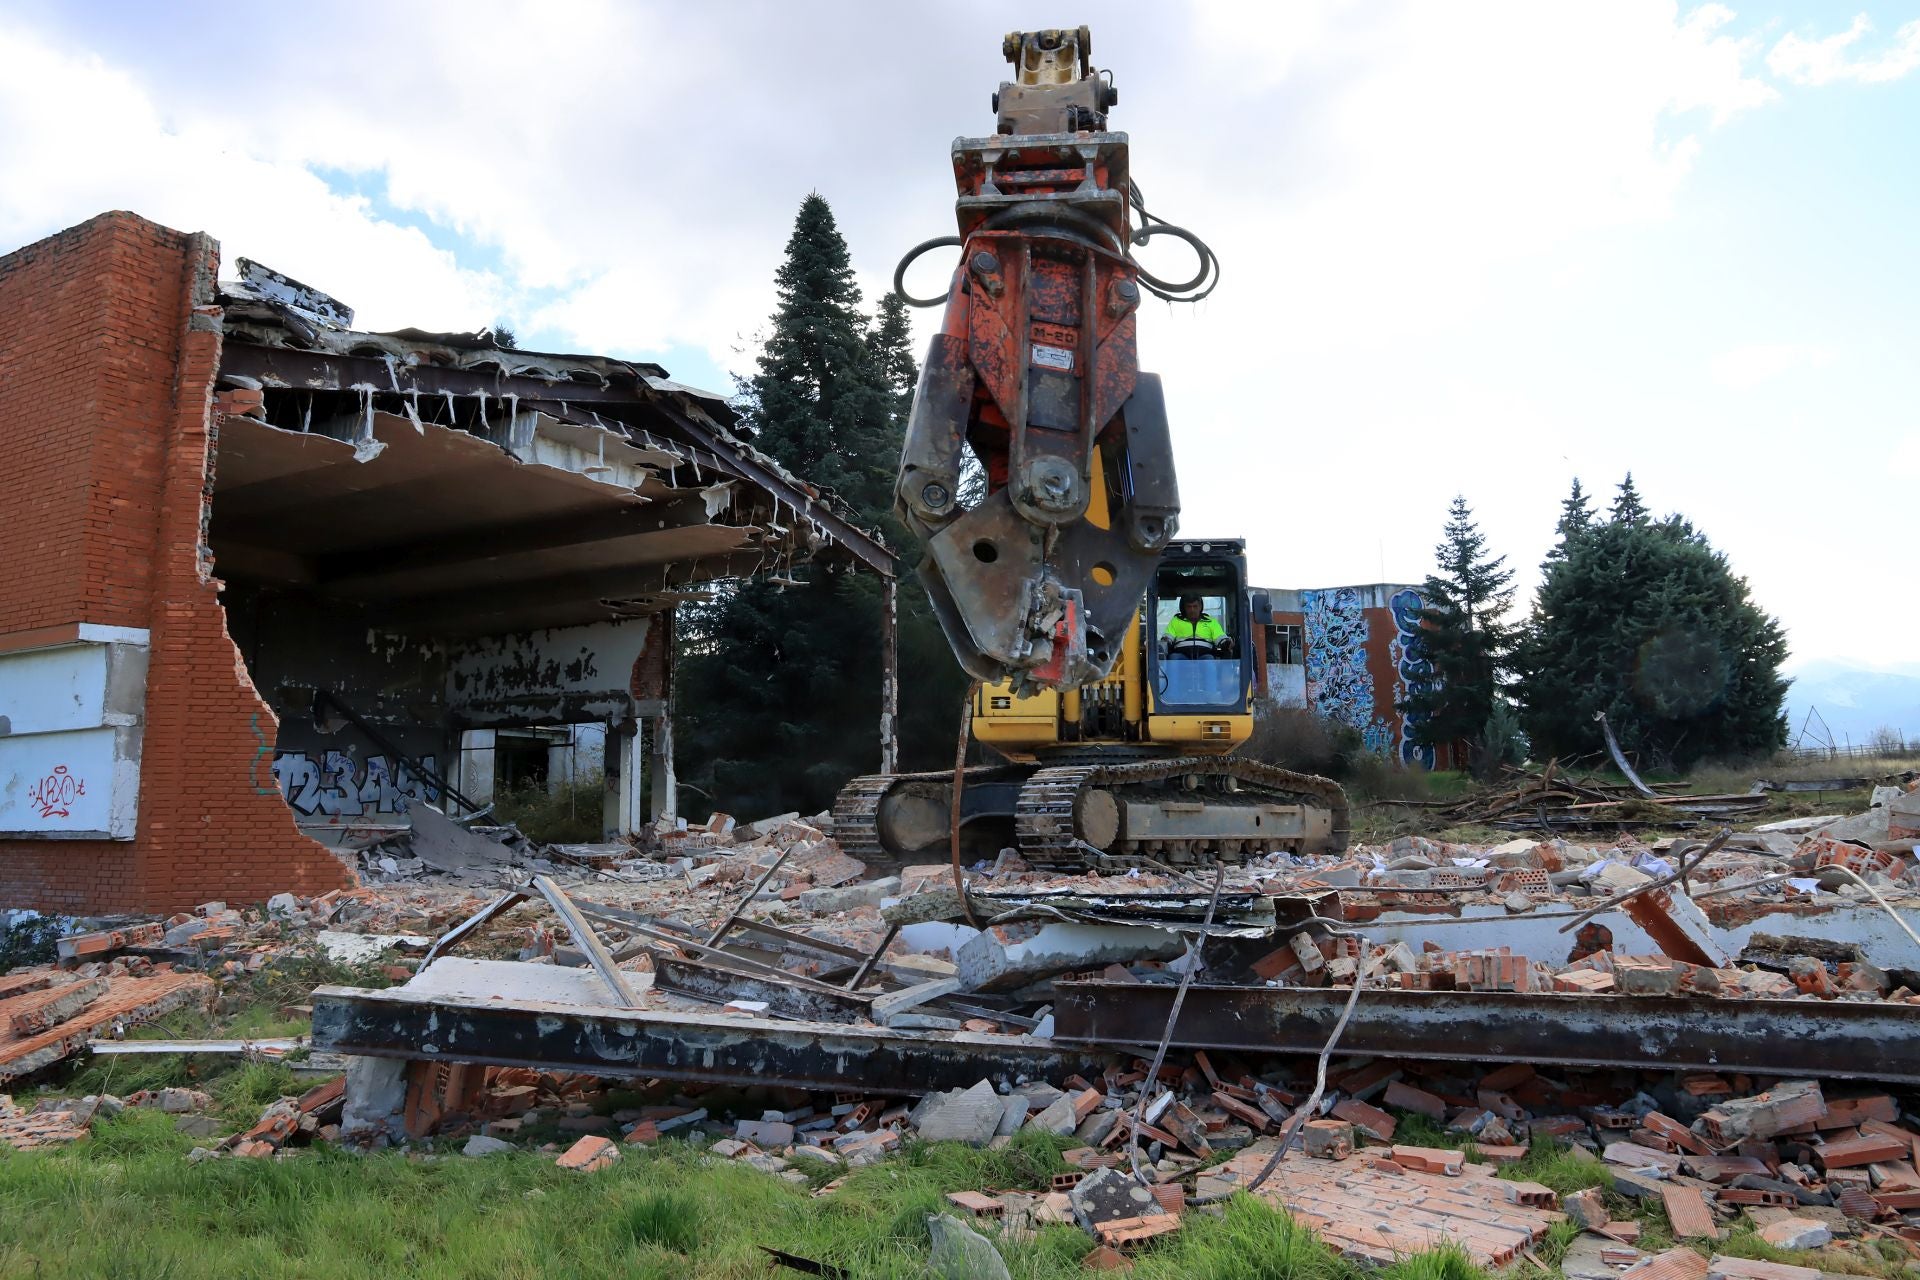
(1339, 686)
(1413, 667)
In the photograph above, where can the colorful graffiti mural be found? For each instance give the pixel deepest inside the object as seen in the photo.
(1413, 670)
(340, 786)
(1339, 686)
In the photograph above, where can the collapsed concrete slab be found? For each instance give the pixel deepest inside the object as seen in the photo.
(1010, 956)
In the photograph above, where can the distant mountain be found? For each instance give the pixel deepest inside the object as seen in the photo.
(1856, 701)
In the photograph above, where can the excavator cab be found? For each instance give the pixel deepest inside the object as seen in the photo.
(1199, 650)
(1197, 634)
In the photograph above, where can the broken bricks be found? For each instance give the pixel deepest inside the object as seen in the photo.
(589, 1155)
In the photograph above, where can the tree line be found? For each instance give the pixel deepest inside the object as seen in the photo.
(1636, 618)
(778, 702)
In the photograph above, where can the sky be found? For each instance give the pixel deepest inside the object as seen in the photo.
(1467, 249)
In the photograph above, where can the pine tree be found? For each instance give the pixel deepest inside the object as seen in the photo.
(1643, 620)
(779, 701)
(1576, 517)
(892, 348)
(1627, 507)
(1467, 641)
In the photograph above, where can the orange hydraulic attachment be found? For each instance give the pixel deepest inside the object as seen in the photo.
(1034, 369)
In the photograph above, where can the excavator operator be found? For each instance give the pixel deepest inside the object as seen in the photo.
(1193, 632)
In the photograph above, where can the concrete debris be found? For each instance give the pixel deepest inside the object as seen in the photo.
(481, 1145)
(761, 940)
(961, 1253)
(1796, 1233)
(971, 1116)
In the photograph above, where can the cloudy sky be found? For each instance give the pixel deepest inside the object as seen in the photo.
(1474, 249)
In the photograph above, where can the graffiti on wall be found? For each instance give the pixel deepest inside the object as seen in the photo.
(1413, 670)
(337, 785)
(1339, 686)
(54, 794)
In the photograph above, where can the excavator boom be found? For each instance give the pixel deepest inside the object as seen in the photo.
(1035, 370)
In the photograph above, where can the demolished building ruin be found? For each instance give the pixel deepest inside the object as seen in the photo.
(279, 579)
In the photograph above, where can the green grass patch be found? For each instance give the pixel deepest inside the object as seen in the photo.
(125, 1202)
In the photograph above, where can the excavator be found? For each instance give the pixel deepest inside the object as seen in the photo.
(1061, 586)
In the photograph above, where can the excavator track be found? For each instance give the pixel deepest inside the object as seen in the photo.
(1048, 820)
(1058, 804)
(856, 810)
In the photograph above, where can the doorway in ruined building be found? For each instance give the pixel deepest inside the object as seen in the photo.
(553, 781)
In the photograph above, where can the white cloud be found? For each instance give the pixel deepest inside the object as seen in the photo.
(1744, 368)
(1413, 146)
(78, 137)
(1832, 58)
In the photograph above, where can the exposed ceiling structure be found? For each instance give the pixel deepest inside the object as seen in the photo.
(447, 483)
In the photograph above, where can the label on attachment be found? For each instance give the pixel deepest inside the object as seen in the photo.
(1053, 357)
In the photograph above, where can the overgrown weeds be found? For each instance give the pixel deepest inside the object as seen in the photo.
(570, 813)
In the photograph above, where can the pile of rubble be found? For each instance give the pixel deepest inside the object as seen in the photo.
(1141, 1149)
(928, 1006)
(47, 1014)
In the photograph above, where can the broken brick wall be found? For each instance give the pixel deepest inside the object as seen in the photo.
(109, 344)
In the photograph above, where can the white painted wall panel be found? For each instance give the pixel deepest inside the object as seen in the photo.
(50, 690)
(71, 723)
(59, 784)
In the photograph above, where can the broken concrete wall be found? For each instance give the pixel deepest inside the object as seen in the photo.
(554, 676)
(109, 345)
(331, 772)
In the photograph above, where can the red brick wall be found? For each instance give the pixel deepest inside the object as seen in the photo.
(109, 347)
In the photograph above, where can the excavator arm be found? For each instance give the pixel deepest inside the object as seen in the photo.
(1035, 370)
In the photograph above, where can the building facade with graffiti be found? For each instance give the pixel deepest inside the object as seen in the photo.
(275, 583)
(1350, 655)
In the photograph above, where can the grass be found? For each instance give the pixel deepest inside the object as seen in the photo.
(125, 1203)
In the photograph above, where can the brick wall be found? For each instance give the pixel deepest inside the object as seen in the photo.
(109, 346)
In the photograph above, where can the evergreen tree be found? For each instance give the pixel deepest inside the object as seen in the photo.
(1627, 507)
(1467, 641)
(892, 348)
(1643, 620)
(779, 701)
(1576, 517)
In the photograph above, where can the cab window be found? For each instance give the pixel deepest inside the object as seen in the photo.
(1196, 630)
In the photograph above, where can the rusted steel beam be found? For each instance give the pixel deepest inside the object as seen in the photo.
(752, 893)
(1875, 1040)
(862, 544)
(460, 932)
(859, 977)
(706, 1047)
